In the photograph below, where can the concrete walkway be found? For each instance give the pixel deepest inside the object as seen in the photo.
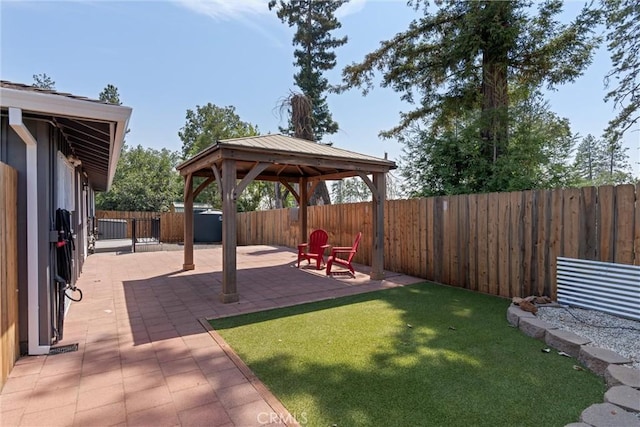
(144, 356)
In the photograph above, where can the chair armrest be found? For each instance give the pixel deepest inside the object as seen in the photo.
(323, 247)
(342, 249)
(302, 245)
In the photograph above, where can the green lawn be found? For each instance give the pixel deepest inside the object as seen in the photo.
(422, 355)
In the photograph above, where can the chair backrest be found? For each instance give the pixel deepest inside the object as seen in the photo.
(354, 248)
(317, 238)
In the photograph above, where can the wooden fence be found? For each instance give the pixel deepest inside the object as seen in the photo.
(500, 243)
(503, 244)
(9, 341)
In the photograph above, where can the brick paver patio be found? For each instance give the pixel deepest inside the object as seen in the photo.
(144, 356)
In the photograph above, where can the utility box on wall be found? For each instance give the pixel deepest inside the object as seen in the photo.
(207, 226)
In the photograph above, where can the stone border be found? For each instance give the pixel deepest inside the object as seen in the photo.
(622, 399)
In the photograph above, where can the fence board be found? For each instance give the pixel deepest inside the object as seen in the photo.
(528, 244)
(605, 220)
(438, 237)
(571, 222)
(588, 237)
(463, 241)
(431, 255)
(472, 242)
(504, 238)
(516, 245)
(636, 245)
(483, 243)
(452, 240)
(492, 242)
(543, 212)
(422, 237)
(555, 239)
(624, 227)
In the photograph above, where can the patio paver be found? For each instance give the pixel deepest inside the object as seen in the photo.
(144, 358)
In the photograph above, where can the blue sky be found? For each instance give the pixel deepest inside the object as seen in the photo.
(168, 56)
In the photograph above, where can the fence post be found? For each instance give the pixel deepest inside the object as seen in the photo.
(133, 234)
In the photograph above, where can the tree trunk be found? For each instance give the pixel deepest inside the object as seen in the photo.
(302, 125)
(495, 90)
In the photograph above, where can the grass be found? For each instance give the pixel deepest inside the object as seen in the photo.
(422, 355)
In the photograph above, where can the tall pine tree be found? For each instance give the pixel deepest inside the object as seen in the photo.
(314, 21)
(466, 57)
(622, 18)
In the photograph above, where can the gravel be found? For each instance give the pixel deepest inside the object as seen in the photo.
(604, 330)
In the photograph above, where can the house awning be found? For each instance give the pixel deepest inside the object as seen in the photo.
(94, 129)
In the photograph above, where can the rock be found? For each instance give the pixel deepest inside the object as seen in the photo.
(577, 425)
(597, 359)
(624, 396)
(565, 341)
(622, 375)
(514, 314)
(608, 415)
(535, 327)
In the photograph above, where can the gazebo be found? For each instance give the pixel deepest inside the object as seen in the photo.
(234, 163)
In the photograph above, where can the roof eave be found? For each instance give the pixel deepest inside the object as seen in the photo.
(60, 105)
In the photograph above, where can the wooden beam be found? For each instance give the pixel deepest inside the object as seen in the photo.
(188, 223)
(216, 174)
(255, 171)
(302, 204)
(300, 159)
(202, 186)
(370, 184)
(377, 250)
(198, 163)
(229, 239)
(312, 188)
(291, 190)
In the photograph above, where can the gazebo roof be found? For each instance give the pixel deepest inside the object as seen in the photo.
(289, 159)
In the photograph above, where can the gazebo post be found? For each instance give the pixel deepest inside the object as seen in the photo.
(188, 223)
(377, 252)
(302, 204)
(229, 238)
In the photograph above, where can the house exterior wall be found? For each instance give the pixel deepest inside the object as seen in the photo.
(13, 152)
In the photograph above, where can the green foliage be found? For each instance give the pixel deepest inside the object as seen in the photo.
(602, 162)
(145, 180)
(314, 22)
(457, 65)
(623, 27)
(43, 81)
(420, 355)
(350, 190)
(451, 162)
(110, 94)
(203, 128)
(209, 124)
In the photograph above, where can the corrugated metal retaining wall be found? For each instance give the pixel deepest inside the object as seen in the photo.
(604, 286)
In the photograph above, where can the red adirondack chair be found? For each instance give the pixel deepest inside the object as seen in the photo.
(314, 248)
(343, 255)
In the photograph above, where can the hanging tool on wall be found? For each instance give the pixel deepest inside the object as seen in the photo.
(64, 266)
